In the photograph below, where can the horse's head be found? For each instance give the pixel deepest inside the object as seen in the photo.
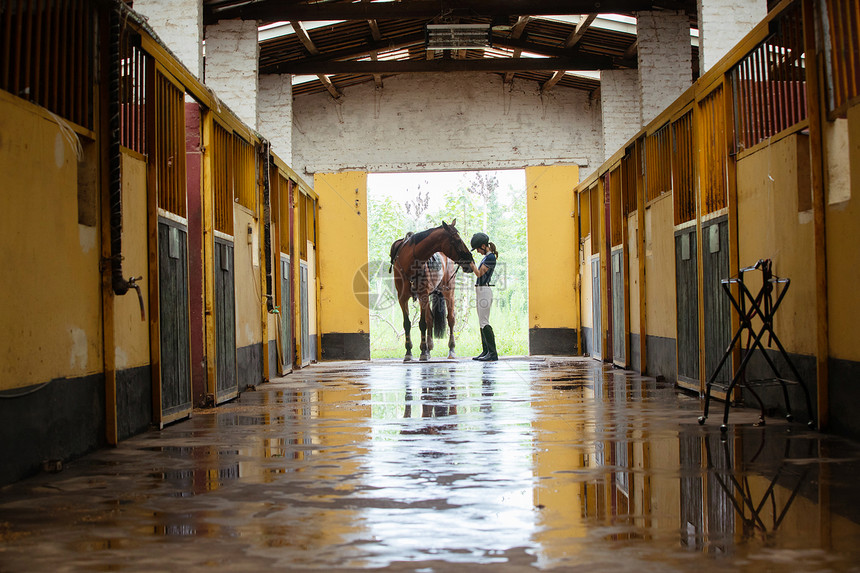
(459, 252)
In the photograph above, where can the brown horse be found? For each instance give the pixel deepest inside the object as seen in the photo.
(424, 265)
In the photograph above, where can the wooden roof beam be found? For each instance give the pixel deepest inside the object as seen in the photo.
(516, 32)
(309, 45)
(584, 22)
(274, 11)
(495, 65)
(374, 54)
(547, 85)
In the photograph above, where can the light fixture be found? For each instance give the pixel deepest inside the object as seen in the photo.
(457, 36)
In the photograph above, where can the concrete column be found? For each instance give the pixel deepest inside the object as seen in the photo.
(620, 107)
(275, 113)
(232, 61)
(722, 24)
(665, 59)
(179, 24)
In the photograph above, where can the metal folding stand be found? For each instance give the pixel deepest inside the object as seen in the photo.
(749, 307)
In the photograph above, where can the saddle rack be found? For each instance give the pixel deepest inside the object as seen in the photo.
(749, 307)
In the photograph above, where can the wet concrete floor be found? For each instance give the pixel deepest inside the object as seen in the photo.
(518, 465)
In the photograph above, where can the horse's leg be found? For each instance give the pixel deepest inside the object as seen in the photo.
(424, 325)
(407, 325)
(449, 299)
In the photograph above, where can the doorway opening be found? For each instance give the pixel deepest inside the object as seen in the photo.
(490, 201)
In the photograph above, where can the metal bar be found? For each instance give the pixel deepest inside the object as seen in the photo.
(38, 67)
(16, 54)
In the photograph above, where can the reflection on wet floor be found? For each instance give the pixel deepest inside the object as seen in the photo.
(447, 466)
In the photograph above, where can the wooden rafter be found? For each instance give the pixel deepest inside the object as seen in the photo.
(499, 65)
(274, 11)
(585, 21)
(374, 54)
(516, 32)
(309, 45)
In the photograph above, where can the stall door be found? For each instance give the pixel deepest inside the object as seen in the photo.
(597, 326)
(619, 336)
(226, 380)
(687, 286)
(303, 293)
(718, 326)
(286, 315)
(174, 336)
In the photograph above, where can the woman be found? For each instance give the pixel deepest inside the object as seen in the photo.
(484, 294)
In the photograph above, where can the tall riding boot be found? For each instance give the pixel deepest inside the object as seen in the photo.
(491, 355)
(483, 347)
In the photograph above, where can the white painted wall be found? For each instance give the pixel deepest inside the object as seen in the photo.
(665, 59)
(179, 23)
(619, 102)
(722, 24)
(232, 57)
(435, 122)
(275, 113)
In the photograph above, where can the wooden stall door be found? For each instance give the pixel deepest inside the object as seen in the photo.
(226, 377)
(305, 316)
(286, 315)
(619, 335)
(174, 339)
(718, 318)
(687, 281)
(597, 326)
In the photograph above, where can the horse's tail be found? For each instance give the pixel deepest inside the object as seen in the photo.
(440, 312)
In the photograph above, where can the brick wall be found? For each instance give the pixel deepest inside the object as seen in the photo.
(421, 122)
(232, 54)
(665, 60)
(179, 23)
(619, 102)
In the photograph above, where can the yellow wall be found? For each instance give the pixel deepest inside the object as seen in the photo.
(660, 289)
(633, 272)
(770, 227)
(342, 250)
(551, 233)
(132, 333)
(249, 329)
(50, 316)
(843, 251)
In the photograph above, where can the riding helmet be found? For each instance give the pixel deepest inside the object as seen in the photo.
(479, 239)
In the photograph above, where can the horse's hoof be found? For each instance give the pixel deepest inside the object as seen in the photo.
(424, 357)
(451, 356)
(407, 358)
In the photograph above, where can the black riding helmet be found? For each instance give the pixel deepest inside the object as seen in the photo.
(479, 239)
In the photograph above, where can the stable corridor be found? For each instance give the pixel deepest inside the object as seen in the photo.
(527, 463)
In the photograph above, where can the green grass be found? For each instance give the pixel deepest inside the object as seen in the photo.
(510, 327)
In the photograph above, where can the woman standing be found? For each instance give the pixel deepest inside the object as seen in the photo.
(484, 294)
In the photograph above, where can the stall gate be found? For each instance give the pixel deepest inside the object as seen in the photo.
(718, 326)
(597, 326)
(174, 336)
(286, 315)
(619, 334)
(687, 287)
(226, 376)
(307, 355)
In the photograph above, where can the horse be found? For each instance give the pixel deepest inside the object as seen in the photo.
(424, 265)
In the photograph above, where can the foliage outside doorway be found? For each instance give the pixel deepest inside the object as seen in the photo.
(493, 202)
